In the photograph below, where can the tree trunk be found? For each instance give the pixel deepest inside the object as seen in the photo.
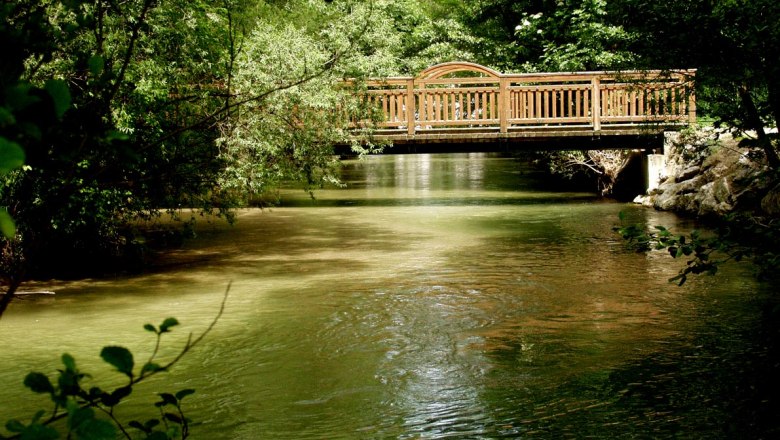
(8, 296)
(753, 121)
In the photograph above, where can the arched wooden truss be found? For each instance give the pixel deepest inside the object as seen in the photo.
(441, 70)
(461, 97)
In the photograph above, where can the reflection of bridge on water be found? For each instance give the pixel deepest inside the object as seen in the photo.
(468, 107)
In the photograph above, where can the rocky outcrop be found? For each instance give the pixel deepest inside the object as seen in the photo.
(708, 174)
(770, 203)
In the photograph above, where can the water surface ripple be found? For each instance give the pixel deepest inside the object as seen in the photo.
(435, 297)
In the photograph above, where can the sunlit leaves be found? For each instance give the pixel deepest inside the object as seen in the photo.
(291, 114)
(572, 36)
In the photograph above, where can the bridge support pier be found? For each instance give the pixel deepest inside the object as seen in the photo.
(657, 166)
(655, 170)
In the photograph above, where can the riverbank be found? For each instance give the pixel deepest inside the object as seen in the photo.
(709, 175)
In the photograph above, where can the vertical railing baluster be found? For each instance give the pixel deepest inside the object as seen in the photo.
(596, 109)
(691, 97)
(411, 107)
(504, 107)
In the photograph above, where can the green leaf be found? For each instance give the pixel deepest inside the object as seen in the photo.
(14, 425)
(6, 117)
(119, 357)
(7, 224)
(78, 416)
(96, 429)
(96, 64)
(184, 393)
(168, 323)
(95, 393)
(19, 97)
(68, 382)
(31, 130)
(168, 399)
(150, 328)
(69, 362)
(108, 400)
(115, 135)
(137, 425)
(37, 416)
(11, 155)
(116, 396)
(158, 435)
(38, 383)
(681, 278)
(173, 418)
(151, 367)
(36, 431)
(59, 92)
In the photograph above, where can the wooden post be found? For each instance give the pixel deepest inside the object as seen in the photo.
(596, 104)
(411, 107)
(691, 97)
(503, 105)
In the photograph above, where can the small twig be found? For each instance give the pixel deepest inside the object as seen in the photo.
(110, 414)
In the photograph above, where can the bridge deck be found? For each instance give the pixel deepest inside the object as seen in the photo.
(465, 102)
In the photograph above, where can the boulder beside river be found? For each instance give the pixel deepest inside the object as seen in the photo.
(708, 174)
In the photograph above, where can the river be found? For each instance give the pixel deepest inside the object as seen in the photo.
(435, 296)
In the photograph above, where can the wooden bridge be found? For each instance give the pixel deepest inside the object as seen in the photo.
(462, 102)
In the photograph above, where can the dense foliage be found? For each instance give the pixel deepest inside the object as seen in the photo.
(122, 109)
(119, 108)
(112, 112)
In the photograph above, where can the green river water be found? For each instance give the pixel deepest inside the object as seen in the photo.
(436, 296)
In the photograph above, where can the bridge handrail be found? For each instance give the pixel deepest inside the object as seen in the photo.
(488, 99)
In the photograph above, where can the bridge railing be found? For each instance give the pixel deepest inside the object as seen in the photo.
(469, 97)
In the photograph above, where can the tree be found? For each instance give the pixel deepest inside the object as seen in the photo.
(27, 110)
(573, 36)
(119, 107)
(428, 33)
(603, 166)
(733, 43)
(100, 158)
(492, 24)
